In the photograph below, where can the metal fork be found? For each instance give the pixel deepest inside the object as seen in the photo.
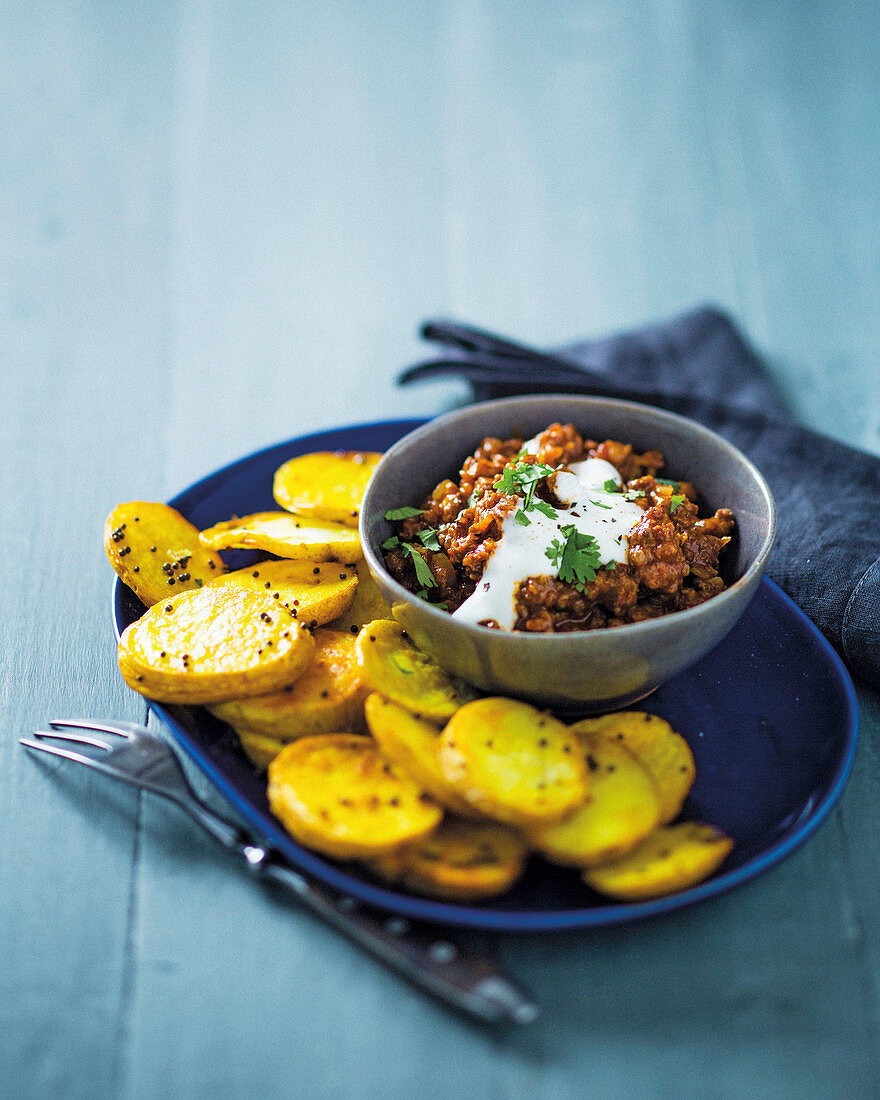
(469, 982)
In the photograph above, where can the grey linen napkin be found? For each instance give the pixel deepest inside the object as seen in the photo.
(827, 553)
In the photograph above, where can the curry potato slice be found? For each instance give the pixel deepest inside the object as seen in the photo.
(368, 604)
(325, 484)
(412, 743)
(313, 592)
(328, 697)
(622, 810)
(513, 762)
(259, 749)
(395, 668)
(672, 858)
(157, 552)
(662, 752)
(459, 861)
(286, 535)
(212, 644)
(338, 794)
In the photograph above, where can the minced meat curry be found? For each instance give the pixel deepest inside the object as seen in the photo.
(559, 533)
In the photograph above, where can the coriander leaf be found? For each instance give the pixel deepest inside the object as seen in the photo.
(576, 558)
(546, 509)
(611, 486)
(675, 501)
(522, 475)
(521, 518)
(666, 481)
(428, 538)
(391, 544)
(599, 504)
(423, 574)
(403, 513)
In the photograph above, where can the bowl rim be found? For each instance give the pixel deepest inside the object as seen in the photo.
(589, 637)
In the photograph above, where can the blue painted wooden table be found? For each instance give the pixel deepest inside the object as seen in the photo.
(222, 225)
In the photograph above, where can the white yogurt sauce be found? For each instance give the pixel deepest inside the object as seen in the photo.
(521, 551)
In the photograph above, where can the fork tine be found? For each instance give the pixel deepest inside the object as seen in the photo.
(76, 738)
(57, 750)
(118, 730)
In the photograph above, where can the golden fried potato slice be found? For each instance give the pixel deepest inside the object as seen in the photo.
(395, 668)
(412, 743)
(327, 698)
(325, 484)
(672, 858)
(313, 592)
(212, 644)
(622, 810)
(260, 749)
(157, 552)
(513, 762)
(663, 753)
(338, 794)
(286, 535)
(458, 861)
(368, 604)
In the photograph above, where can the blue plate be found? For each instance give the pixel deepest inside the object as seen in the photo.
(770, 715)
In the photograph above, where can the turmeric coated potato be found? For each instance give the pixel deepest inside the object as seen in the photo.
(156, 552)
(513, 762)
(338, 794)
(286, 535)
(213, 644)
(395, 668)
(325, 484)
(328, 697)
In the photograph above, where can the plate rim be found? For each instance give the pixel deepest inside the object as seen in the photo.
(502, 920)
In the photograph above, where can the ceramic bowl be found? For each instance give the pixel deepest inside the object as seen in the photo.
(582, 671)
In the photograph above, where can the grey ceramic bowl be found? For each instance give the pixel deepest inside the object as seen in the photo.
(587, 671)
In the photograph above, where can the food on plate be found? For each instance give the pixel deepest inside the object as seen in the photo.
(286, 535)
(662, 752)
(313, 592)
(459, 861)
(513, 762)
(328, 697)
(325, 484)
(559, 533)
(412, 742)
(672, 858)
(368, 604)
(212, 644)
(259, 748)
(622, 809)
(374, 753)
(338, 794)
(156, 552)
(393, 666)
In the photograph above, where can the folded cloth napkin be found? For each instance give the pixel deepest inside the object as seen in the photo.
(827, 552)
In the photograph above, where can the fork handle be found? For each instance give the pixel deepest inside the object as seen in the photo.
(467, 980)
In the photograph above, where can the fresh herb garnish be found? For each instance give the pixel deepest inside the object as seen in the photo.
(599, 504)
(428, 538)
(403, 513)
(391, 544)
(576, 557)
(675, 501)
(611, 486)
(667, 481)
(521, 478)
(423, 574)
